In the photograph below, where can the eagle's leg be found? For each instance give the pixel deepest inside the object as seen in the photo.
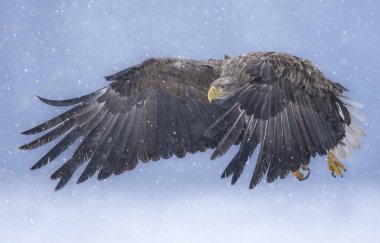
(300, 175)
(335, 165)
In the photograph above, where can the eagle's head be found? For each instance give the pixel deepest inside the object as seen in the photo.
(221, 88)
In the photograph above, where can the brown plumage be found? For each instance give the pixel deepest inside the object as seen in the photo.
(159, 108)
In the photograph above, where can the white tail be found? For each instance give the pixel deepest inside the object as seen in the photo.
(353, 132)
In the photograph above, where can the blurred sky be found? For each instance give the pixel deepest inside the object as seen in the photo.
(62, 49)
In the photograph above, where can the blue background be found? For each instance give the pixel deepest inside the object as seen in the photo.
(62, 49)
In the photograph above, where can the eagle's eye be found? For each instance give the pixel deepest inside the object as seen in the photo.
(224, 86)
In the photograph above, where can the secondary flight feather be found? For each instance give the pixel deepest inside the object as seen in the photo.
(274, 102)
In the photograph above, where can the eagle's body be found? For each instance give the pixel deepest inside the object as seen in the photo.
(277, 102)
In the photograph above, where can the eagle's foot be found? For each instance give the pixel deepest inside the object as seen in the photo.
(335, 166)
(304, 174)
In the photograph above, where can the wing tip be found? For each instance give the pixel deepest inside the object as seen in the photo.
(30, 146)
(34, 167)
(82, 178)
(73, 101)
(24, 147)
(228, 172)
(27, 132)
(235, 178)
(254, 182)
(108, 78)
(60, 185)
(62, 182)
(52, 102)
(216, 154)
(64, 174)
(44, 100)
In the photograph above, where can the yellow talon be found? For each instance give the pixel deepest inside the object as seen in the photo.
(299, 175)
(335, 165)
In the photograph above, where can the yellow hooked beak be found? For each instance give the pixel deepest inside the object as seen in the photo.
(213, 93)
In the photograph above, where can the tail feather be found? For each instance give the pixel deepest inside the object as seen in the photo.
(354, 132)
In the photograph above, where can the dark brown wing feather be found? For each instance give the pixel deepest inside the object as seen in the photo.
(289, 107)
(154, 110)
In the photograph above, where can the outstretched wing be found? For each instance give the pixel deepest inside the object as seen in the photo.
(288, 107)
(148, 112)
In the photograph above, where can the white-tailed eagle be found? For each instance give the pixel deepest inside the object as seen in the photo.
(280, 104)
